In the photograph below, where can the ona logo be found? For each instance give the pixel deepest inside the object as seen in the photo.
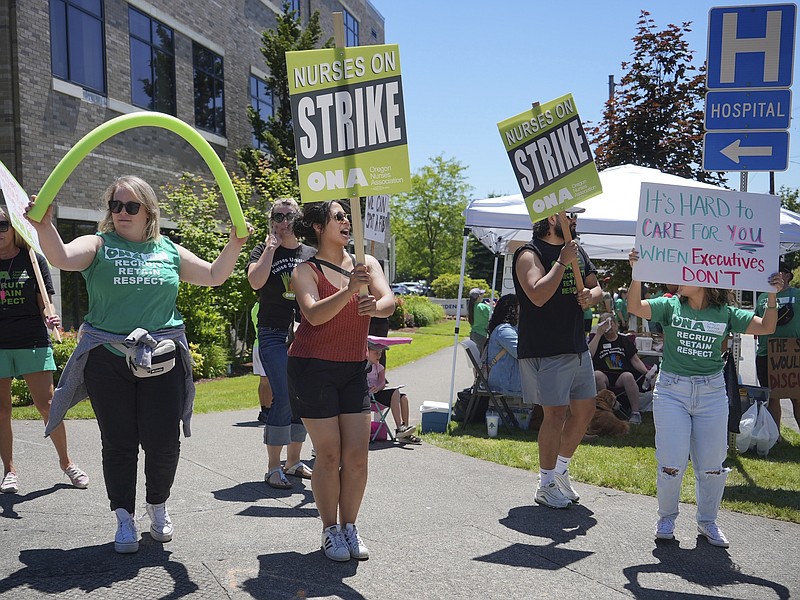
(335, 180)
(288, 295)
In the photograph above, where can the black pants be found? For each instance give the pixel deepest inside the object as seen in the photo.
(132, 411)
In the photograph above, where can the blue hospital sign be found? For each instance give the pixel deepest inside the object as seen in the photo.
(751, 46)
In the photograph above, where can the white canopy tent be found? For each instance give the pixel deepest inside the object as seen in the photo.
(606, 230)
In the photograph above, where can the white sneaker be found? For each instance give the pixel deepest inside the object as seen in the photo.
(10, 485)
(636, 419)
(665, 528)
(160, 523)
(358, 549)
(713, 534)
(127, 538)
(564, 483)
(334, 544)
(551, 496)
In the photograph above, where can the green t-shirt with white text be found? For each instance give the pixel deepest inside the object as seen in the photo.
(788, 306)
(133, 284)
(693, 338)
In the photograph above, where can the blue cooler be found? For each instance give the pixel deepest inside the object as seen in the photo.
(434, 416)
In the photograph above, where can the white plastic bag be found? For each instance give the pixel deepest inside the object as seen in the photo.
(765, 432)
(746, 428)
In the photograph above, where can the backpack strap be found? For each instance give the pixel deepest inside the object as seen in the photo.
(324, 263)
(500, 355)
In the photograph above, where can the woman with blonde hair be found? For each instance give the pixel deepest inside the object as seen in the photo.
(25, 349)
(132, 358)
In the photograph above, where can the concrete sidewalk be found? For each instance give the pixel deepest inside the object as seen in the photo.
(438, 525)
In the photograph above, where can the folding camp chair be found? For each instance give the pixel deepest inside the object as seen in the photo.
(480, 387)
(382, 412)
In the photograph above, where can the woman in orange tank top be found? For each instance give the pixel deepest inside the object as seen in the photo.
(327, 370)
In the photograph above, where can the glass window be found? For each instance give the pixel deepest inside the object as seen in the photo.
(77, 44)
(295, 6)
(350, 29)
(74, 299)
(209, 90)
(152, 63)
(261, 101)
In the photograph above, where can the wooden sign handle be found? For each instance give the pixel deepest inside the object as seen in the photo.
(576, 267)
(49, 310)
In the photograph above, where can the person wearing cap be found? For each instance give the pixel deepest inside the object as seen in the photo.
(554, 362)
(391, 397)
(478, 313)
(788, 327)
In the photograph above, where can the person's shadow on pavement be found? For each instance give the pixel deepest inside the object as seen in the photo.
(90, 568)
(9, 501)
(253, 492)
(295, 575)
(703, 565)
(560, 526)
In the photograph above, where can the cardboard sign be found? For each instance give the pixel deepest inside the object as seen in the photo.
(551, 157)
(707, 237)
(376, 218)
(349, 122)
(16, 201)
(783, 361)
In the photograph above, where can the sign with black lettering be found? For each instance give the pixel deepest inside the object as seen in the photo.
(783, 361)
(349, 122)
(551, 157)
(376, 218)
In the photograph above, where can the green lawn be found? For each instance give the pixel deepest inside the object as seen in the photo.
(768, 487)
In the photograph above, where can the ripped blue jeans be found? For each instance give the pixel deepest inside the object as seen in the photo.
(691, 417)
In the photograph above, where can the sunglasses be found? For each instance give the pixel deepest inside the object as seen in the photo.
(341, 217)
(4, 226)
(132, 208)
(572, 216)
(281, 217)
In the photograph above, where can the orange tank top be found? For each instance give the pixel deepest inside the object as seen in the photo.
(342, 339)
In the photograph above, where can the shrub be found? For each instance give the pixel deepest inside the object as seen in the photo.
(415, 311)
(446, 286)
(209, 361)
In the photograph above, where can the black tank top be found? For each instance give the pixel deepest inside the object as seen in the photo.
(557, 327)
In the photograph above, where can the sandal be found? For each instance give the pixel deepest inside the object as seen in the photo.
(409, 439)
(301, 470)
(283, 483)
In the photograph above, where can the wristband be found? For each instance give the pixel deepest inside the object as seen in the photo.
(562, 264)
(772, 307)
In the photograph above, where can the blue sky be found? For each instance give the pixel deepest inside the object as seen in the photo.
(467, 65)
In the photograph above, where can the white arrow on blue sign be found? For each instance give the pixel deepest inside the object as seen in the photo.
(739, 151)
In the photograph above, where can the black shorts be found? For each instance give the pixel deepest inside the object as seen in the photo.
(320, 389)
(385, 396)
(762, 371)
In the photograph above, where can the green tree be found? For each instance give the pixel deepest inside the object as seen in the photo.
(655, 117)
(276, 134)
(428, 221)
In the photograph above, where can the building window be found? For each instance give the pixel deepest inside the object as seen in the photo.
(261, 101)
(152, 63)
(350, 29)
(209, 90)
(295, 6)
(74, 299)
(77, 46)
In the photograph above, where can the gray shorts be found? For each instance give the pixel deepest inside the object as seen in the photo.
(556, 380)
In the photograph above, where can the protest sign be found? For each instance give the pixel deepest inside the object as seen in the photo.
(783, 361)
(376, 218)
(707, 237)
(16, 201)
(349, 122)
(551, 157)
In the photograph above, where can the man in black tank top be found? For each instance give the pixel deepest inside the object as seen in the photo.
(555, 366)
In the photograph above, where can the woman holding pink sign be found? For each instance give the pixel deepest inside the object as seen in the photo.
(690, 403)
(327, 370)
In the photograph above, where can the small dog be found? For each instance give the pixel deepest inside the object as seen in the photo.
(605, 422)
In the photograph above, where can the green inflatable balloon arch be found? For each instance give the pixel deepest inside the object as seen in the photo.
(117, 125)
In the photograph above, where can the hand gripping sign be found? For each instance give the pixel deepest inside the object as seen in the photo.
(140, 119)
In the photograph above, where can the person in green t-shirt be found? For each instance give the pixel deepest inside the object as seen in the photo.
(621, 309)
(264, 388)
(690, 403)
(132, 275)
(788, 327)
(478, 313)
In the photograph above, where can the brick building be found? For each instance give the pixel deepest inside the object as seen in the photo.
(67, 66)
